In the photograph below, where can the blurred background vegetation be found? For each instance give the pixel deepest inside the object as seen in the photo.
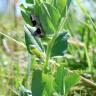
(81, 23)
(13, 57)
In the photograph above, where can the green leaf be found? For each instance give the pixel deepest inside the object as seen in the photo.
(64, 80)
(32, 40)
(70, 81)
(49, 17)
(62, 5)
(30, 8)
(37, 7)
(29, 1)
(49, 84)
(26, 17)
(60, 45)
(37, 83)
(27, 9)
(59, 77)
(60, 74)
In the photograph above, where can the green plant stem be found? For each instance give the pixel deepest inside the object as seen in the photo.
(50, 45)
(88, 59)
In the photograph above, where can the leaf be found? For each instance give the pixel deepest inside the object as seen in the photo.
(64, 80)
(30, 8)
(29, 1)
(49, 84)
(37, 83)
(60, 45)
(27, 9)
(62, 5)
(70, 81)
(59, 76)
(49, 17)
(32, 40)
(26, 17)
